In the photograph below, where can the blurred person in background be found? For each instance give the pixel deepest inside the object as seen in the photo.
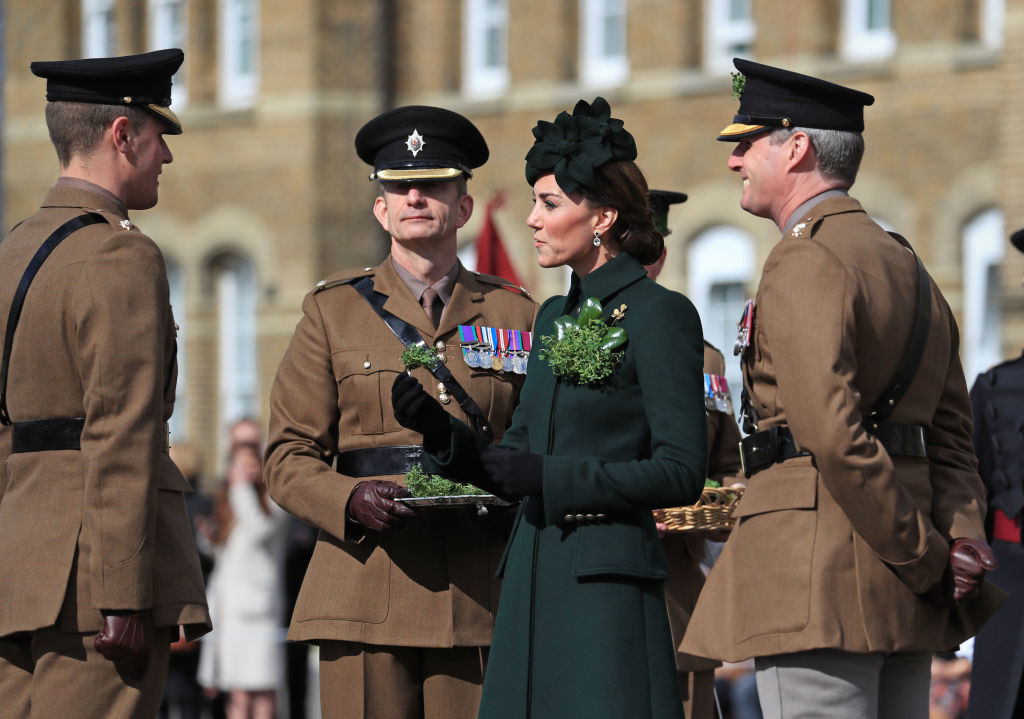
(244, 656)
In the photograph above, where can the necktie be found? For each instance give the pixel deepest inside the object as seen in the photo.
(432, 305)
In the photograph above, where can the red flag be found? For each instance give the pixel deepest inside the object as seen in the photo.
(491, 258)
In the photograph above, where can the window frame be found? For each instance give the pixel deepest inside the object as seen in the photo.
(596, 68)
(723, 35)
(162, 36)
(480, 17)
(237, 89)
(859, 42)
(92, 44)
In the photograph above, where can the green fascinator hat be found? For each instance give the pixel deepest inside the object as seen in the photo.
(575, 145)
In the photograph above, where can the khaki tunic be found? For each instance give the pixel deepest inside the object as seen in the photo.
(834, 551)
(104, 527)
(684, 551)
(430, 583)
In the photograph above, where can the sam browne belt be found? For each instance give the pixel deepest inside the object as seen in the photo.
(378, 461)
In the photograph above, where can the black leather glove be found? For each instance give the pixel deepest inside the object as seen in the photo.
(372, 504)
(969, 559)
(126, 639)
(511, 473)
(418, 411)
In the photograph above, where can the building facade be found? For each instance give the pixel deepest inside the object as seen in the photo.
(266, 195)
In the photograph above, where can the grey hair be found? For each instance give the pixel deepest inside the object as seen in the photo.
(839, 152)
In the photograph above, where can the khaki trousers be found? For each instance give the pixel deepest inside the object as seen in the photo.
(48, 673)
(698, 692)
(364, 681)
(833, 684)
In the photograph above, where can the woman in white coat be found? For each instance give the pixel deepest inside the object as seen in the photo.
(244, 656)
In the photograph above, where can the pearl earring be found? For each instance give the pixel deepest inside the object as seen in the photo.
(597, 238)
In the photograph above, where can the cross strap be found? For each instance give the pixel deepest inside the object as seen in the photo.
(410, 337)
(58, 236)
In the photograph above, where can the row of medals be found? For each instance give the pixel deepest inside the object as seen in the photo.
(483, 356)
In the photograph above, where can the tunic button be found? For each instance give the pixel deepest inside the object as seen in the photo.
(590, 517)
(580, 517)
(442, 359)
(439, 345)
(569, 518)
(602, 517)
(366, 364)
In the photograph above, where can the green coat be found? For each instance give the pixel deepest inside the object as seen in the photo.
(581, 627)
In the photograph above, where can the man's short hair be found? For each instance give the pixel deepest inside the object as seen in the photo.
(839, 152)
(77, 127)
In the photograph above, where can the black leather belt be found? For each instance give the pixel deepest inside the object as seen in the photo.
(47, 435)
(376, 461)
(763, 449)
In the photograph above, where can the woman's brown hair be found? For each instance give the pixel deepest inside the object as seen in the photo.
(621, 185)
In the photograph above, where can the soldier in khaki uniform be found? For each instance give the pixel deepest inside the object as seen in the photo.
(859, 549)
(97, 563)
(401, 603)
(685, 551)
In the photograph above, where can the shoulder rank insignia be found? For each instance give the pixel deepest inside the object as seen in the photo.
(503, 350)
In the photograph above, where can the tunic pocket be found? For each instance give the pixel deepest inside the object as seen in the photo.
(364, 388)
(772, 560)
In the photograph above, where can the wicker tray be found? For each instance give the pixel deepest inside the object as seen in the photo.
(712, 512)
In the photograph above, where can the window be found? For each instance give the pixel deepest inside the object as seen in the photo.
(981, 338)
(179, 420)
(993, 15)
(167, 26)
(603, 60)
(720, 265)
(239, 52)
(99, 28)
(867, 30)
(729, 32)
(236, 288)
(485, 54)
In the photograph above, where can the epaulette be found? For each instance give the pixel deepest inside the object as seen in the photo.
(342, 278)
(502, 283)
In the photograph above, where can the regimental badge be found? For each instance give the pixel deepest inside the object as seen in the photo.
(798, 229)
(717, 397)
(502, 350)
(745, 326)
(125, 224)
(415, 142)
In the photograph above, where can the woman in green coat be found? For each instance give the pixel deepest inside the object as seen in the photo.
(610, 425)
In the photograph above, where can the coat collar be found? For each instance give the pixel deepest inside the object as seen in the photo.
(604, 282)
(462, 308)
(830, 206)
(81, 195)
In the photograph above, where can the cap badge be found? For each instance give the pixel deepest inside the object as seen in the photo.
(415, 142)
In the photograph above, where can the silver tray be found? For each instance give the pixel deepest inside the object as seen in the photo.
(480, 501)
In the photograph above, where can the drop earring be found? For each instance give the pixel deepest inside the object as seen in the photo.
(597, 238)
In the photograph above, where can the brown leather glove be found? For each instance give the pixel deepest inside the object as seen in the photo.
(969, 559)
(373, 505)
(126, 639)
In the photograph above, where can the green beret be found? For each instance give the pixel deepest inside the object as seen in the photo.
(573, 146)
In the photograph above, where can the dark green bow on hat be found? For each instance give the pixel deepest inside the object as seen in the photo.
(573, 146)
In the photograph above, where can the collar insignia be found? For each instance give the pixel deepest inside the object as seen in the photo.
(125, 224)
(415, 142)
(798, 229)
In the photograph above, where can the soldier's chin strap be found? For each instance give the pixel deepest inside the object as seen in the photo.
(410, 337)
(58, 236)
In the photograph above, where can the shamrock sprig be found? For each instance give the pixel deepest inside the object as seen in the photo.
(582, 350)
(420, 355)
(739, 84)
(422, 484)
